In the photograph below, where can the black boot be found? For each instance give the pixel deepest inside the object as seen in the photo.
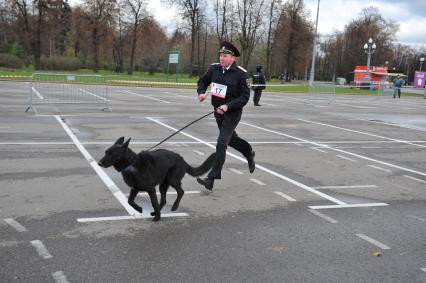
(206, 182)
(250, 160)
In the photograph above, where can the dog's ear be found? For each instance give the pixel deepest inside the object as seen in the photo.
(126, 144)
(120, 140)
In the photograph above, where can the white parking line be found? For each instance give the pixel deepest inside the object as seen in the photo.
(260, 183)
(348, 205)
(104, 177)
(347, 158)
(346, 187)
(323, 216)
(360, 132)
(317, 149)
(373, 241)
(199, 152)
(38, 94)
(168, 193)
(287, 179)
(412, 178)
(130, 217)
(236, 171)
(18, 227)
(59, 277)
(423, 269)
(416, 217)
(41, 249)
(88, 92)
(146, 96)
(379, 168)
(287, 197)
(338, 150)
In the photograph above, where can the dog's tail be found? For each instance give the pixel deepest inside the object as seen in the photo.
(203, 168)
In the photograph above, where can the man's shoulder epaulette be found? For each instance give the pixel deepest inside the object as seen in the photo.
(242, 69)
(215, 64)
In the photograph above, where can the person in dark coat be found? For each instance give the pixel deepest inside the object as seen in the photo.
(229, 94)
(258, 84)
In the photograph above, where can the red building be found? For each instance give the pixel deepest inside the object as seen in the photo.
(378, 75)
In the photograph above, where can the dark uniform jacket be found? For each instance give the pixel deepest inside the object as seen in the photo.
(258, 79)
(235, 79)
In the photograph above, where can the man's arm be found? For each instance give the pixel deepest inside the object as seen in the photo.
(244, 92)
(204, 81)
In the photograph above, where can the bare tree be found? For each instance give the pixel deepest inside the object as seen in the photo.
(272, 26)
(31, 14)
(136, 11)
(250, 14)
(190, 12)
(98, 14)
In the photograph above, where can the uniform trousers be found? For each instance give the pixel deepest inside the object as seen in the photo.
(257, 94)
(227, 136)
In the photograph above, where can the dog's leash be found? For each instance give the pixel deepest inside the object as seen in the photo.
(202, 117)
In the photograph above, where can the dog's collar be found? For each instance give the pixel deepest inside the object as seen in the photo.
(127, 168)
(122, 165)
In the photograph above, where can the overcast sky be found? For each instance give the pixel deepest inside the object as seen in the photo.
(335, 14)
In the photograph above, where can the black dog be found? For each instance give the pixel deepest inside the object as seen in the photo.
(145, 170)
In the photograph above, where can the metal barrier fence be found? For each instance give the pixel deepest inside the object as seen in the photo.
(322, 92)
(51, 88)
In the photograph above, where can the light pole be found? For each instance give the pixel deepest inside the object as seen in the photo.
(312, 74)
(369, 48)
(421, 63)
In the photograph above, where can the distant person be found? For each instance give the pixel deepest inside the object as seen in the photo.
(258, 81)
(397, 84)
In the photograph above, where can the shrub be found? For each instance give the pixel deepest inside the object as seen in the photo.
(60, 63)
(10, 61)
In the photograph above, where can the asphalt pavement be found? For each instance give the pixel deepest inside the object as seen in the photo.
(338, 194)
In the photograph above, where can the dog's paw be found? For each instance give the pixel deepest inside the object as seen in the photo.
(156, 217)
(138, 209)
(174, 207)
(153, 213)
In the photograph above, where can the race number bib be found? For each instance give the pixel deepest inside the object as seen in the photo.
(218, 90)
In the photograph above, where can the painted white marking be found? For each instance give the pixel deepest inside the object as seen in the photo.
(75, 130)
(416, 217)
(146, 96)
(101, 173)
(199, 152)
(364, 133)
(260, 183)
(347, 158)
(18, 227)
(287, 197)
(59, 277)
(346, 187)
(338, 150)
(88, 92)
(168, 193)
(356, 106)
(373, 241)
(317, 149)
(130, 217)
(323, 216)
(236, 171)
(423, 269)
(298, 144)
(38, 94)
(41, 249)
(294, 182)
(419, 180)
(379, 168)
(348, 205)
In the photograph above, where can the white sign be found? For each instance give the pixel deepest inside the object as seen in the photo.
(173, 58)
(218, 90)
(71, 78)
